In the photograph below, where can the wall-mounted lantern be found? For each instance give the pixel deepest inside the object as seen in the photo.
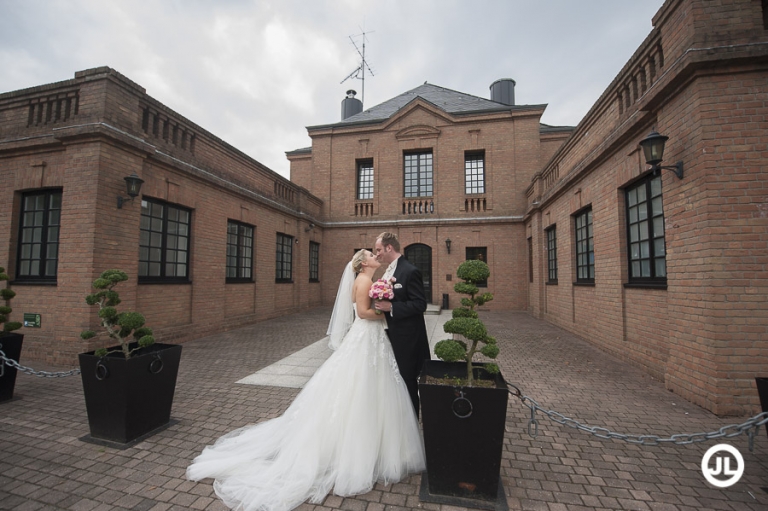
(653, 148)
(133, 188)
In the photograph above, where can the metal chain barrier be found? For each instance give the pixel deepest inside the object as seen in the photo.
(28, 370)
(750, 427)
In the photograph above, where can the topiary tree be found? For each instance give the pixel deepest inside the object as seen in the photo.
(465, 322)
(120, 326)
(7, 294)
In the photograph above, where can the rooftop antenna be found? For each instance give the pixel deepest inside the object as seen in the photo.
(359, 73)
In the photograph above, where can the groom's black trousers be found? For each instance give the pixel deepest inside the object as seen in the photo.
(410, 356)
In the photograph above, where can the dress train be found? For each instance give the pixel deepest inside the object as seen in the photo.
(351, 426)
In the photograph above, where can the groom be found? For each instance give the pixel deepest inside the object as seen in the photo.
(405, 313)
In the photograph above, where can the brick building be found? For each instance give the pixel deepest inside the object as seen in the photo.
(664, 272)
(432, 165)
(199, 244)
(668, 273)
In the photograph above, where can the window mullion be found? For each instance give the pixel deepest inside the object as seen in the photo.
(651, 241)
(240, 250)
(164, 241)
(44, 236)
(418, 175)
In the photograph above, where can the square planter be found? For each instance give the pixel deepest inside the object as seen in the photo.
(463, 434)
(762, 391)
(11, 346)
(129, 399)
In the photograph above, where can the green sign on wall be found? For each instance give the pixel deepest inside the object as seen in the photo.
(32, 320)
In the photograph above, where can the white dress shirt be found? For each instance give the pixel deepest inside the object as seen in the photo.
(390, 270)
(388, 273)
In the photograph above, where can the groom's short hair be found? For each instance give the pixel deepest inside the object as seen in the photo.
(389, 238)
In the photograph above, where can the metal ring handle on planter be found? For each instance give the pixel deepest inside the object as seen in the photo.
(461, 406)
(102, 371)
(156, 365)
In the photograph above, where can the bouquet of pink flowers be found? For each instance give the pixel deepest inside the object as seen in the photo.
(382, 290)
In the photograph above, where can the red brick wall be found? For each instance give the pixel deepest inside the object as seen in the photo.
(88, 156)
(512, 155)
(705, 334)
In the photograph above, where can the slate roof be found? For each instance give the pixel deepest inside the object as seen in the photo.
(450, 101)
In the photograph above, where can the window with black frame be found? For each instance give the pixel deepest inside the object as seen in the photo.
(645, 232)
(481, 254)
(239, 252)
(38, 246)
(284, 259)
(530, 260)
(552, 255)
(314, 261)
(365, 179)
(585, 249)
(474, 172)
(164, 242)
(418, 174)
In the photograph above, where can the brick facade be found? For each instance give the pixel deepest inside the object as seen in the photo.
(83, 136)
(513, 143)
(700, 78)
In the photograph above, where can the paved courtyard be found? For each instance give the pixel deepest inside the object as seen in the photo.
(44, 465)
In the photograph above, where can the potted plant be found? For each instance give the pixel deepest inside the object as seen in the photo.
(464, 405)
(762, 392)
(10, 343)
(128, 387)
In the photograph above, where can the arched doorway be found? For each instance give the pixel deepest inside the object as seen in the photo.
(420, 256)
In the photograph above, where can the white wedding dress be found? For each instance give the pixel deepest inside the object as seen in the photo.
(351, 426)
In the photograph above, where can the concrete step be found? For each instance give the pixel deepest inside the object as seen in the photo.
(432, 309)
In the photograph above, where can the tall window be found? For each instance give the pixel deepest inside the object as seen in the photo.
(284, 258)
(164, 242)
(645, 232)
(314, 261)
(530, 259)
(585, 249)
(481, 254)
(239, 252)
(474, 172)
(418, 174)
(38, 249)
(365, 179)
(552, 255)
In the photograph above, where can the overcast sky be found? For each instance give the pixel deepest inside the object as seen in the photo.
(256, 73)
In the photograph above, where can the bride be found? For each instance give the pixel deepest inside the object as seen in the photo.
(351, 426)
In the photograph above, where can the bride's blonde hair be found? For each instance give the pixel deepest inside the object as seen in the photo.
(357, 260)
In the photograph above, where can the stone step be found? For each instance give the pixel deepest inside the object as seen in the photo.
(432, 309)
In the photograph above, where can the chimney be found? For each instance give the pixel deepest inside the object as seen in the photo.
(503, 91)
(350, 105)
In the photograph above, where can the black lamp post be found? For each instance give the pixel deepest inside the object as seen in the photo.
(133, 188)
(653, 148)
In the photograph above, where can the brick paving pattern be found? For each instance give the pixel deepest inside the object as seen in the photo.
(44, 465)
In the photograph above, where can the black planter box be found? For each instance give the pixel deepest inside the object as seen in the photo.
(129, 399)
(463, 433)
(11, 346)
(762, 391)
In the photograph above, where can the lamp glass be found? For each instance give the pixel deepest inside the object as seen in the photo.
(133, 184)
(653, 147)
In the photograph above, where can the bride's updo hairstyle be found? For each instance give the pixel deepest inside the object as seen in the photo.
(357, 260)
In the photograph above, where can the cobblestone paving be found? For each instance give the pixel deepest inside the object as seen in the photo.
(44, 465)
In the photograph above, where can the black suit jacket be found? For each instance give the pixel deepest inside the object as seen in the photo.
(407, 329)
